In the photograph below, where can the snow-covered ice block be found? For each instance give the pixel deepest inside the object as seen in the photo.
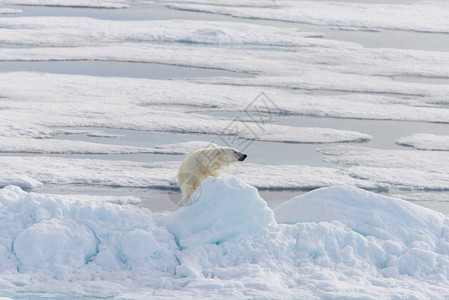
(232, 207)
(364, 212)
(61, 234)
(225, 245)
(55, 244)
(413, 240)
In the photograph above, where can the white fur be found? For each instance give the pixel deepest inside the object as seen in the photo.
(204, 163)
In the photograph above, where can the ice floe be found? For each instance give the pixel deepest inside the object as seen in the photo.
(82, 31)
(382, 171)
(151, 93)
(423, 141)
(9, 11)
(59, 102)
(301, 70)
(56, 146)
(226, 244)
(416, 171)
(23, 181)
(327, 57)
(423, 16)
(57, 170)
(70, 3)
(90, 172)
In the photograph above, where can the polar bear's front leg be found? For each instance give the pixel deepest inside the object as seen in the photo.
(187, 192)
(189, 188)
(215, 173)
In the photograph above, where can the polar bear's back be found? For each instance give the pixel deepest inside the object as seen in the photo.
(195, 164)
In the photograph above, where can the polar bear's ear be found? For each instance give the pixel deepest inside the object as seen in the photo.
(222, 150)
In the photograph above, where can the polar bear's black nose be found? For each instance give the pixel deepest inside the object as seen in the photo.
(242, 158)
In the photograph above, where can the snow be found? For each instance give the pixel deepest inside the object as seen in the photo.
(294, 63)
(422, 16)
(56, 146)
(184, 148)
(370, 214)
(118, 173)
(59, 245)
(71, 3)
(340, 242)
(311, 56)
(121, 173)
(87, 107)
(393, 169)
(83, 31)
(292, 51)
(335, 242)
(423, 141)
(23, 181)
(394, 99)
(371, 169)
(210, 229)
(7, 11)
(376, 216)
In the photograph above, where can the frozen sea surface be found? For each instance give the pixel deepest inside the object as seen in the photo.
(113, 69)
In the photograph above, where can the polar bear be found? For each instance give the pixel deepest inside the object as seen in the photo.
(204, 163)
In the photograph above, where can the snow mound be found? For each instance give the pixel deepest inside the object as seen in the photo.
(54, 244)
(225, 244)
(59, 235)
(364, 212)
(238, 204)
(411, 237)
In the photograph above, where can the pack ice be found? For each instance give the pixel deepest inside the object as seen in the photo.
(337, 241)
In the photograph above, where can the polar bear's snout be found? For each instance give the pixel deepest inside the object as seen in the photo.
(242, 157)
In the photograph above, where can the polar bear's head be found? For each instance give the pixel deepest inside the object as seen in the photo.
(231, 155)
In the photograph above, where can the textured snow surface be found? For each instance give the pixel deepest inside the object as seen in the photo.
(7, 11)
(56, 170)
(338, 242)
(70, 3)
(423, 141)
(78, 31)
(46, 146)
(397, 169)
(372, 169)
(425, 16)
(23, 181)
(96, 105)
